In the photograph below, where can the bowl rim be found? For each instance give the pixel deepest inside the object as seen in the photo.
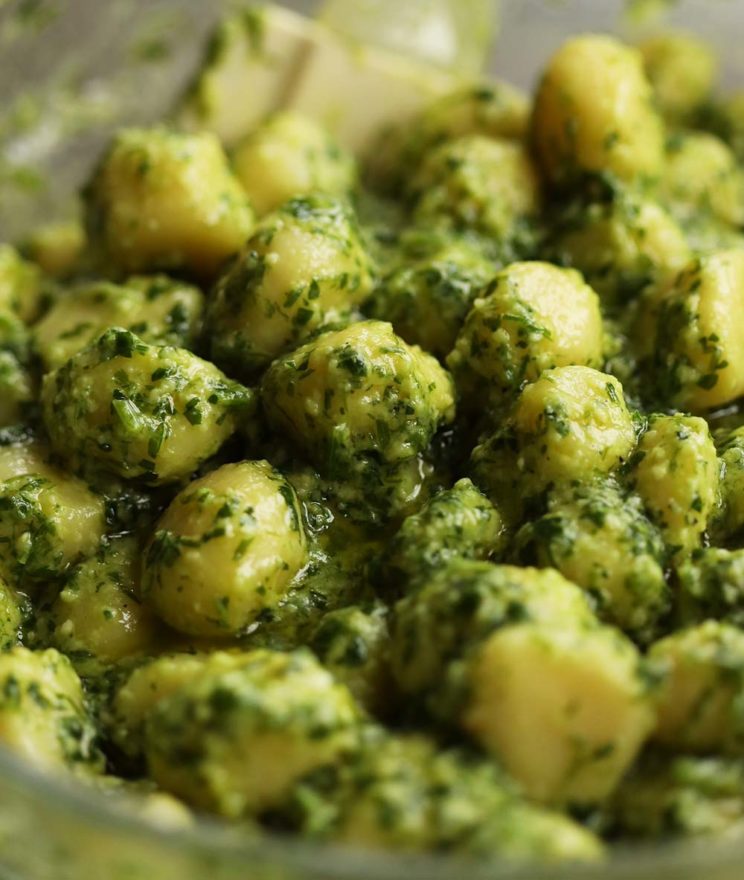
(231, 846)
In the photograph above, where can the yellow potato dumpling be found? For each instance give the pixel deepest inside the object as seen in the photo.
(250, 733)
(495, 471)
(161, 200)
(98, 613)
(682, 71)
(699, 706)
(564, 708)
(601, 540)
(706, 233)
(291, 155)
(404, 793)
(355, 392)
(594, 113)
(697, 340)
(702, 174)
(76, 513)
(676, 473)
(20, 285)
(367, 490)
(426, 301)
(388, 797)
(49, 520)
(680, 796)
(12, 613)
(532, 317)
(305, 266)
(461, 604)
(156, 308)
(146, 412)
(151, 682)
(571, 423)
(456, 523)
(57, 248)
(476, 183)
(43, 718)
(493, 109)
(710, 585)
(352, 644)
(25, 457)
(225, 550)
(622, 245)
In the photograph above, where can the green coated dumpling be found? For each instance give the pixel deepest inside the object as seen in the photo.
(140, 411)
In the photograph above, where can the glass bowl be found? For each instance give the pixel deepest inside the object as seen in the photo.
(70, 72)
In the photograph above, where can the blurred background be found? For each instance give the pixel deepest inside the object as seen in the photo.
(71, 71)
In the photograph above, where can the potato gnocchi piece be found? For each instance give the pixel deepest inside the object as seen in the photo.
(225, 550)
(290, 155)
(56, 518)
(698, 706)
(403, 794)
(676, 473)
(599, 538)
(426, 301)
(457, 523)
(304, 267)
(17, 385)
(682, 70)
(702, 175)
(621, 245)
(43, 717)
(695, 346)
(476, 183)
(585, 685)
(358, 391)
(250, 733)
(161, 200)
(49, 521)
(711, 586)
(457, 608)
(372, 492)
(730, 517)
(493, 109)
(531, 317)
(148, 683)
(98, 614)
(21, 285)
(156, 308)
(352, 644)
(594, 114)
(143, 412)
(680, 796)
(469, 641)
(570, 423)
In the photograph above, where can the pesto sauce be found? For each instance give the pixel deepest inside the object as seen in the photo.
(349, 524)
